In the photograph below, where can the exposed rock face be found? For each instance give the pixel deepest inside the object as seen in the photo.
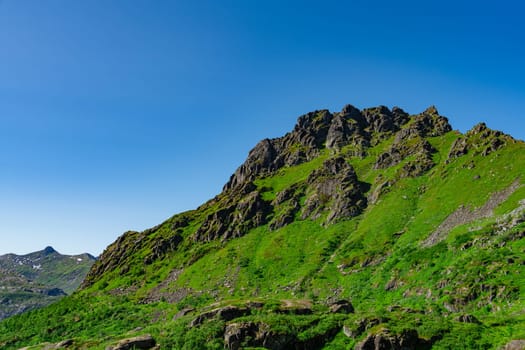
(410, 142)
(251, 334)
(261, 159)
(401, 149)
(319, 129)
(226, 313)
(235, 220)
(335, 189)
(298, 146)
(382, 120)
(408, 340)
(459, 148)
(288, 202)
(163, 246)
(115, 255)
(348, 127)
(480, 140)
(238, 335)
(140, 342)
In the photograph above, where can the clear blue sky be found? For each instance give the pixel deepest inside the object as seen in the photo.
(115, 115)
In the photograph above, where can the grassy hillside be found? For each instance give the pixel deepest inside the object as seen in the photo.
(435, 258)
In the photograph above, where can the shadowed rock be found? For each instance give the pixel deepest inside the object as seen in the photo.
(140, 342)
(334, 188)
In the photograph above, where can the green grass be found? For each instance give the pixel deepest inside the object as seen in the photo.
(375, 260)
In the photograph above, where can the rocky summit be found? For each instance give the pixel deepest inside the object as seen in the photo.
(37, 279)
(359, 229)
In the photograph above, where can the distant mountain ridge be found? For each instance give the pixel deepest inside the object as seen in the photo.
(360, 229)
(36, 279)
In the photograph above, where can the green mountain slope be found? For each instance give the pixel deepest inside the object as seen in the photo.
(363, 229)
(38, 279)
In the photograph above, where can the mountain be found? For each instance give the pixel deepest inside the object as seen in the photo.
(38, 279)
(360, 229)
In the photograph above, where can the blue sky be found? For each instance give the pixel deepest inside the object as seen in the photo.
(115, 115)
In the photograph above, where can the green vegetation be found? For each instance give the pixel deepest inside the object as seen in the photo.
(466, 288)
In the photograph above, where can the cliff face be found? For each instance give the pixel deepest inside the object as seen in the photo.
(359, 229)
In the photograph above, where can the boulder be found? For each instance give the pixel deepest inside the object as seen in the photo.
(64, 344)
(226, 313)
(140, 342)
(239, 335)
(341, 307)
(467, 319)
(518, 344)
(407, 340)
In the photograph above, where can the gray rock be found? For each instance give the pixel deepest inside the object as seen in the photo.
(64, 344)
(459, 148)
(226, 313)
(467, 319)
(341, 307)
(236, 219)
(518, 344)
(140, 342)
(334, 188)
(407, 340)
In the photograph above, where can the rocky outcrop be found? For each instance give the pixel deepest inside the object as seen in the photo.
(236, 219)
(319, 129)
(518, 344)
(348, 127)
(287, 206)
(334, 189)
(401, 150)
(298, 146)
(362, 325)
(140, 342)
(480, 140)
(261, 160)
(407, 340)
(115, 256)
(341, 307)
(459, 148)
(466, 318)
(64, 344)
(381, 120)
(257, 334)
(242, 334)
(410, 143)
(163, 246)
(226, 313)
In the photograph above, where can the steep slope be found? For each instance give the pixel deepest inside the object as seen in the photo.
(38, 279)
(359, 229)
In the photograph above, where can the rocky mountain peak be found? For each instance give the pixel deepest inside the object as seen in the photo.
(351, 128)
(49, 250)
